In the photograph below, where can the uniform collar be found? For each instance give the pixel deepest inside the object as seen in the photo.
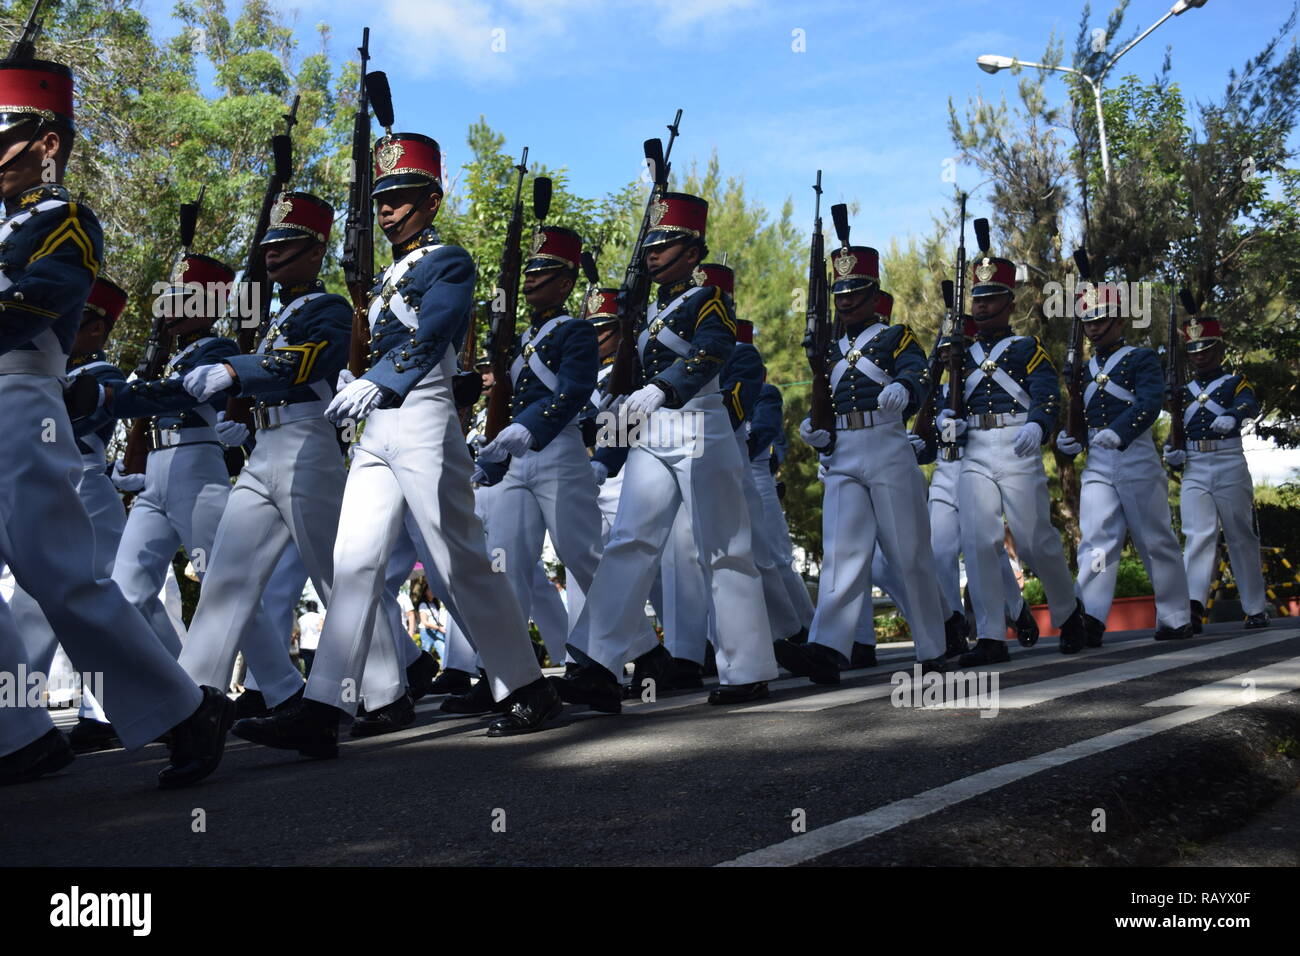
(189, 338)
(86, 358)
(995, 335)
(1209, 375)
(857, 328)
(1105, 351)
(290, 293)
(428, 237)
(545, 315)
(41, 193)
(608, 359)
(671, 291)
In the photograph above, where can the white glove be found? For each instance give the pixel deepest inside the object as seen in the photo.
(816, 437)
(230, 434)
(124, 482)
(956, 429)
(207, 380)
(345, 379)
(1028, 439)
(917, 442)
(893, 397)
(1105, 439)
(1175, 457)
(821, 472)
(512, 442)
(480, 476)
(1223, 424)
(1068, 444)
(645, 400)
(599, 471)
(355, 401)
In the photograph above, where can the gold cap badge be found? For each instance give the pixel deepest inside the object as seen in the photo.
(657, 212)
(594, 300)
(985, 270)
(698, 277)
(539, 240)
(280, 211)
(388, 156)
(845, 263)
(1194, 331)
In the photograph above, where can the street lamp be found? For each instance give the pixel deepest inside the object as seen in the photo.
(991, 63)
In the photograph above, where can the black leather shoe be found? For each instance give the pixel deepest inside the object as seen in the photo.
(936, 665)
(862, 655)
(954, 635)
(527, 709)
(571, 668)
(687, 675)
(420, 676)
(655, 665)
(46, 754)
(1256, 620)
(1093, 631)
(801, 637)
(818, 663)
(90, 735)
(251, 703)
(311, 728)
(477, 700)
(451, 681)
(986, 651)
(1198, 617)
(1073, 635)
(592, 685)
(739, 693)
(198, 741)
(710, 661)
(1166, 633)
(400, 713)
(1026, 627)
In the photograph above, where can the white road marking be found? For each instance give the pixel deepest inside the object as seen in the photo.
(1259, 684)
(1281, 678)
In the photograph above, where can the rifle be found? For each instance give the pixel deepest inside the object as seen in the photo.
(923, 423)
(467, 385)
(1076, 423)
(24, 47)
(359, 233)
(501, 334)
(240, 408)
(1176, 371)
(634, 294)
(817, 333)
(593, 280)
(957, 346)
(158, 349)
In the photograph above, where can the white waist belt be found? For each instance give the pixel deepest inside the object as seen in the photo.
(172, 437)
(855, 420)
(273, 416)
(33, 362)
(1217, 444)
(997, 419)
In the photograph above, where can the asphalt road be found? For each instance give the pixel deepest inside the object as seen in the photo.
(679, 782)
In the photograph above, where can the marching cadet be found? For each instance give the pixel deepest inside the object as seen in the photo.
(1216, 486)
(186, 481)
(50, 251)
(685, 455)
(1123, 486)
(412, 453)
(1012, 395)
(766, 438)
(607, 459)
(549, 486)
(93, 431)
(875, 493)
(289, 491)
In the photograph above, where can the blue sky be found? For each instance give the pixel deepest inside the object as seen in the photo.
(582, 83)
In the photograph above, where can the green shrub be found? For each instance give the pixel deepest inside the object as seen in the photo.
(1131, 580)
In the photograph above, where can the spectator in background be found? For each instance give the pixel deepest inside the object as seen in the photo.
(433, 622)
(406, 604)
(310, 623)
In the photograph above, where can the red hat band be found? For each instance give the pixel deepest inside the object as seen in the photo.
(715, 274)
(407, 159)
(884, 306)
(993, 276)
(601, 305)
(1201, 332)
(554, 247)
(675, 215)
(295, 215)
(107, 299)
(37, 88)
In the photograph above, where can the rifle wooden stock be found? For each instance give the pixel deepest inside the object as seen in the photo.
(957, 348)
(818, 332)
(1176, 377)
(359, 233)
(1076, 421)
(503, 320)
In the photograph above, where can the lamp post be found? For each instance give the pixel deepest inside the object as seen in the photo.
(991, 63)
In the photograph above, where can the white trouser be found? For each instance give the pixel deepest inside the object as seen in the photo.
(660, 477)
(781, 613)
(280, 598)
(47, 539)
(884, 577)
(549, 490)
(1127, 491)
(185, 492)
(288, 491)
(777, 533)
(415, 456)
(996, 483)
(549, 611)
(107, 517)
(875, 496)
(607, 496)
(687, 612)
(1217, 488)
(461, 655)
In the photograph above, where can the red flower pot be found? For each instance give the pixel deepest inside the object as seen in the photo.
(1126, 614)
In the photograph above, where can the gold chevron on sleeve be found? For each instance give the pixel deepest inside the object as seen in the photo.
(310, 351)
(907, 339)
(716, 307)
(70, 230)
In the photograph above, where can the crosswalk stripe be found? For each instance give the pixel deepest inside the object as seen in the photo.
(815, 843)
(1259, 684)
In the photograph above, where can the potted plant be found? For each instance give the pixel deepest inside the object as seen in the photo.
(1133, 609)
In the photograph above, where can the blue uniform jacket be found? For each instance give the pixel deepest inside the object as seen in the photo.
(897, 353)
(439, 289)
(740, 380)
(1235, 395)
(570, 352)
(1027, 363)
(766, 424)
(705, 319)
(98, 422)
(1138, 372)
(315, 349)
(52, 259)
(165, 398)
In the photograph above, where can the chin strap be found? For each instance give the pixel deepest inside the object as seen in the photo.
(655, 273)
(40, 128)
(554, 274)
(293, 258)
(419, 201)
